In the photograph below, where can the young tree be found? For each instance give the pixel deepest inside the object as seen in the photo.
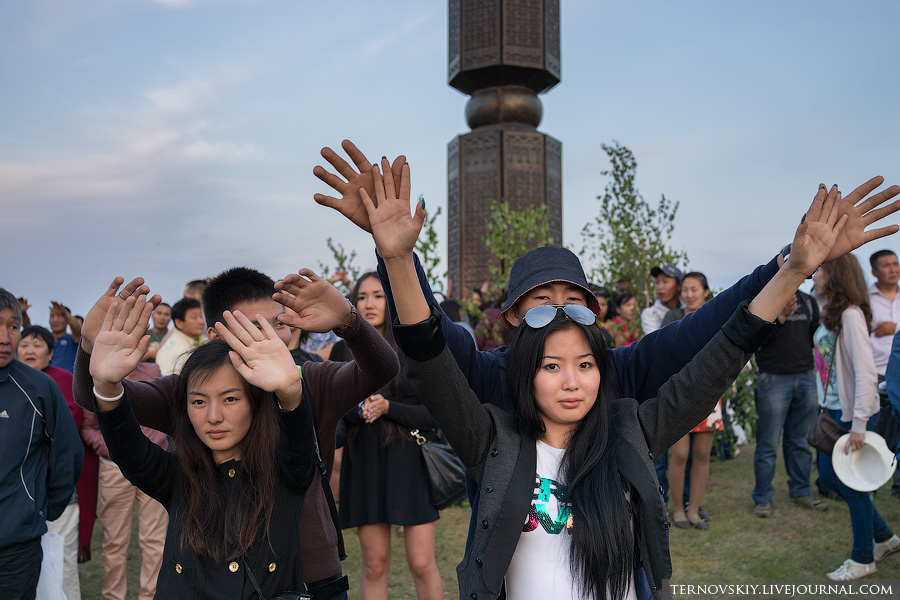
(427, 247)
(510, 234)
(345, 272)
(629, 237)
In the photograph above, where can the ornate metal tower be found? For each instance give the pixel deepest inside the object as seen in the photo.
(503, 53)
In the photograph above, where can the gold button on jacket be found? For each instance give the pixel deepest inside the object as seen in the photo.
(178, 568)
(233, 567)
(271, 567)
(231, 472)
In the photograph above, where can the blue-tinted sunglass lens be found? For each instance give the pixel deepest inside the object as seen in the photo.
(540, 316)
(580, 314)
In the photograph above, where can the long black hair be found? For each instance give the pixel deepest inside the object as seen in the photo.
(602, 551)
(224, 526)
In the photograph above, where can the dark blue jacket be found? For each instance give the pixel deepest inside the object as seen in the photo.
(639, 369)
(41, 453)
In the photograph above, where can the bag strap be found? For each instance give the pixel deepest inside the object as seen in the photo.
(253, 581)
(830, 370)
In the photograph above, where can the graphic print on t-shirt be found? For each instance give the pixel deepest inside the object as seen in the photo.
(549, 507)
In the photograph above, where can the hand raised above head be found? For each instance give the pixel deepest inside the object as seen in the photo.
(395, 231)
(349, 181)
(258, 354)
(862, 213)
(320, 306)
(818, 232)
(93, 320)
(121, 343)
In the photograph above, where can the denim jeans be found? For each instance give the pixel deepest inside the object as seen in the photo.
(786, 405)
(868, 525)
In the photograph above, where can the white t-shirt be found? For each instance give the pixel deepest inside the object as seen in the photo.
(540, 566)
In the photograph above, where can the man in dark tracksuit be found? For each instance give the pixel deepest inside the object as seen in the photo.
(42, 455)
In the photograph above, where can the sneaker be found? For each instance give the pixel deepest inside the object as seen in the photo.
(809, 502)
(852, 570)
(763, 510)
(889, 546)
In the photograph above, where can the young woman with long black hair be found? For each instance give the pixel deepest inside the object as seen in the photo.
(594, 510)
(244, 455)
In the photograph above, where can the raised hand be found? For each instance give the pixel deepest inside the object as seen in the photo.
(350, 180)
(319, 306)
(818, 232)
(260, 357)
(93, 320)
(394, 230)
(862, 214)
(120, 344)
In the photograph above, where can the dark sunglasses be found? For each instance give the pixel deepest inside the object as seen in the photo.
(540, 316)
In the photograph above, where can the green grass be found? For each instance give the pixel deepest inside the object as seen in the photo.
(794, 544)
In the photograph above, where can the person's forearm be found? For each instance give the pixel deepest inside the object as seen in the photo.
(108, 395)
(771, 300)
(408, 297)
(290, 397)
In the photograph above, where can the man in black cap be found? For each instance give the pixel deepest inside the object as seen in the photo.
(668, 296)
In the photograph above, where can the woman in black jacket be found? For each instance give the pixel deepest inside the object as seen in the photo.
(594, 520)
(244, 455)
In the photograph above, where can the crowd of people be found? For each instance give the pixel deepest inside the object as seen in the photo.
(272, 415)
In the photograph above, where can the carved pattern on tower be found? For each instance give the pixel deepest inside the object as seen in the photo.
(480, 42)
(523, 33)
(453, 39)
(551, 31)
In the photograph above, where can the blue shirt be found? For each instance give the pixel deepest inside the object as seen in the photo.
(64, 352)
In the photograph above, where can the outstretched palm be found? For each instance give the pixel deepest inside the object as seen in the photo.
(861, 215)
(320, 306)
(394, 230)
(350, 181)
(259, 356)
(122, 342)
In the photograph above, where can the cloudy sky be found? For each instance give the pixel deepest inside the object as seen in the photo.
(175, 138)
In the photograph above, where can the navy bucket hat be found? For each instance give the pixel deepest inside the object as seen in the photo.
(546, 265)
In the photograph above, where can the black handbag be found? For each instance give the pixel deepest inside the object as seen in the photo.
(825, 433)
(446, 473)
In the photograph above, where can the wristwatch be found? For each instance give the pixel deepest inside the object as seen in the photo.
(785, 252)
(349, 323)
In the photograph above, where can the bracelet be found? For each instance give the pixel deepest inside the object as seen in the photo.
(786, 252)
(360, 408)
(105, 399)
(349, 323)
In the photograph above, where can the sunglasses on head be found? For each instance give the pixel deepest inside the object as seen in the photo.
(540, 316)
